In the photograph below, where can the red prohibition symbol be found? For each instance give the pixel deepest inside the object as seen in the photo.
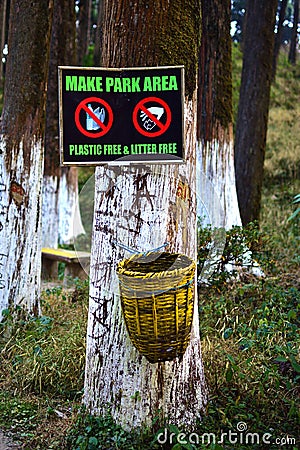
(145, 119)
(90, 114)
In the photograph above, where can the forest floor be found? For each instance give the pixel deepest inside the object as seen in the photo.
(7, 443)
(249, 328)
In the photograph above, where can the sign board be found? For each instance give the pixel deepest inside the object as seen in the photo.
(121, 116)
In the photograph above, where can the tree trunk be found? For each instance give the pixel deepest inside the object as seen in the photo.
(3, 5)
(83, 30)
(21, 148)
(140, 206)
(4, 20)
(70, 224)
(278, 35)
(98, 34)
(251, 129)
(215, 135)
(294, 36)
(60, 186)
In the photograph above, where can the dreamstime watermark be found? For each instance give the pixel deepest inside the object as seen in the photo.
(240, 436)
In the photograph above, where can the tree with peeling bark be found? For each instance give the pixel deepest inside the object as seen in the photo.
(140, 207)
(215, 117)
(61, 220)
(21, 153)
(253, 110)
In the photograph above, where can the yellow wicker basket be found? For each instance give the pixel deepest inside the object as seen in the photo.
(157, 297)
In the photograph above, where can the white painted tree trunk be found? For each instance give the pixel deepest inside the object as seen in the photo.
(141, 207)
(216, 190)
(20, 227)
(61, 222)
(215, 161)
(50, 216)
(70, 224)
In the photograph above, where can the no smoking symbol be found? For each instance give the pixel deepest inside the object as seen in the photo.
(93, 120)
(152, 117)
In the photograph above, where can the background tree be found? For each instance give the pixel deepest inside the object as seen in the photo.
(21, 145)
(4, 20)
(60, 185)
(127, 200)
(238, 8)
(278, 36)
(251, 127)
(294, 36)
(98, 34)
(215, 129)
(83, 38)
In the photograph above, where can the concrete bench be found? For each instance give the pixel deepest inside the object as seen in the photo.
(77, 263)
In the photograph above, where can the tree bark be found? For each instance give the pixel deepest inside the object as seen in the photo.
(3, 6)
(83, 30)
(294, 36)
(60, 185)
(215, 135)
(21, 152)
(139, 206)
(251, 129)
(4, 20)
(98, 34)
(278, 35)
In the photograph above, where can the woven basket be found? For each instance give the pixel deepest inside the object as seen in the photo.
(157, 297)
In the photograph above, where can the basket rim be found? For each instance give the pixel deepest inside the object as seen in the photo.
(122, 270)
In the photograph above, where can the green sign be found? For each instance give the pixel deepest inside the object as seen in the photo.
(121, 115)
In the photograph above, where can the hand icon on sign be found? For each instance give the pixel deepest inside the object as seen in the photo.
(147, 122)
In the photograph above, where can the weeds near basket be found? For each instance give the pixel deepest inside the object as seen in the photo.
(92, 433)
(251, 354)
(47, 353)
(297, 210)
(19, 417)
(244, 246)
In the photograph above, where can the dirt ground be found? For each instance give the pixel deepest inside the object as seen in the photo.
(6, 443)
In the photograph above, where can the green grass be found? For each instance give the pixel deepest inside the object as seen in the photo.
(249, 329)
(282, 162)
(42, 364)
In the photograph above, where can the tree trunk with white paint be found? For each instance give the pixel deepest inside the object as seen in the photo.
(215, 136)
(216, 178)
(70, 224)
(21, 153)
(253, 111)
(61, 215)
(60, 219)
(142, 207)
